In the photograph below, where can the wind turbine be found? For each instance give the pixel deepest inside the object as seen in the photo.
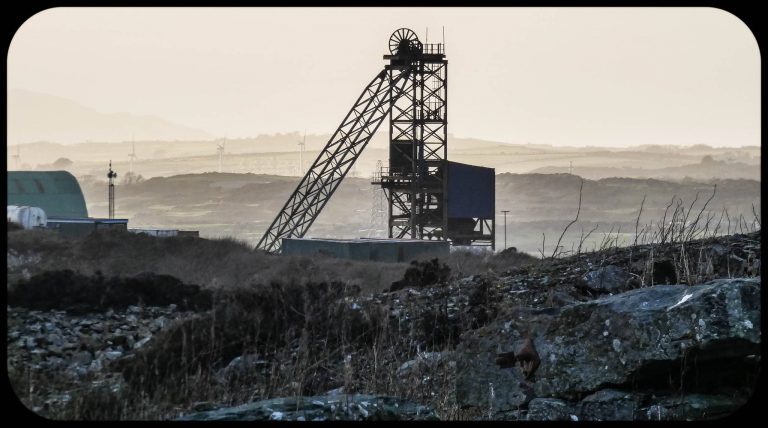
(17, 156)
(220, 150)
(302, 144)
(132, 156)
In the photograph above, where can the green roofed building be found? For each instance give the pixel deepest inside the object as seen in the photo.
(57, 192)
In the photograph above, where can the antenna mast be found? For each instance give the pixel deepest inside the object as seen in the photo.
(111, 175)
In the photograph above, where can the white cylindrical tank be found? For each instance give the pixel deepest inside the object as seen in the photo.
(27, 217)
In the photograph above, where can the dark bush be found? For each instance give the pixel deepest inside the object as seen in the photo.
(436, 329)
(481, 307)
(421, 274)
(77, 293)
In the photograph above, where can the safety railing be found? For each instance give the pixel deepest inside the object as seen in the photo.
(433, 48)
(387, 174)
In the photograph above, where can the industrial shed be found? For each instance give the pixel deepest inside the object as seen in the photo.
(85, 226)
(380, 250)
(57, 192)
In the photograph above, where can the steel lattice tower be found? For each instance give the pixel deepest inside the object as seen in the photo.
(418, 132)
(378, 206)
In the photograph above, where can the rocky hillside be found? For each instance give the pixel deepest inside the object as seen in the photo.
(663, 332)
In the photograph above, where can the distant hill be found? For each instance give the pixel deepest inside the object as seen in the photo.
(34, 116)
(243, 205)
(698, 171)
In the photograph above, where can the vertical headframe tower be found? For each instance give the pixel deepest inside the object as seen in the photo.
(418, 132)
(424, 203)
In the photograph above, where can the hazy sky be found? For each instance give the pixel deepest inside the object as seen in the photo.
(570, 76)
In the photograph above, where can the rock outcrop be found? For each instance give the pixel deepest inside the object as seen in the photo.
(356, 407)
(80, 349)
(664, 341)
(607, 279)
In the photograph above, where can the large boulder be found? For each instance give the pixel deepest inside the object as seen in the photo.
(691, 407)
(606, 279)
(550, 409)
(320, 408)
(697, 337)
(609, 405)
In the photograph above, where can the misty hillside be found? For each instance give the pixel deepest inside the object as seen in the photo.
(278, 154)
(150, 150)
(243, 205)
(34, 116)
(704, 170)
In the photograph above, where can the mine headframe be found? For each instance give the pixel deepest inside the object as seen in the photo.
(424, 203)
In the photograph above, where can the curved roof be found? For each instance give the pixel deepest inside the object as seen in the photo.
(57, 192)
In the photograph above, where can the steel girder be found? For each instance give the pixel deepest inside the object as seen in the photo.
(335, 160)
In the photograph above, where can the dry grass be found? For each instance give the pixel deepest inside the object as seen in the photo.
(296, 315)
(225, 262)
(211, 263)
(293, 312)
(310, 337)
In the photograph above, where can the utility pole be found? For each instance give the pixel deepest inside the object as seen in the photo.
(505, 227)
(132, 155)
